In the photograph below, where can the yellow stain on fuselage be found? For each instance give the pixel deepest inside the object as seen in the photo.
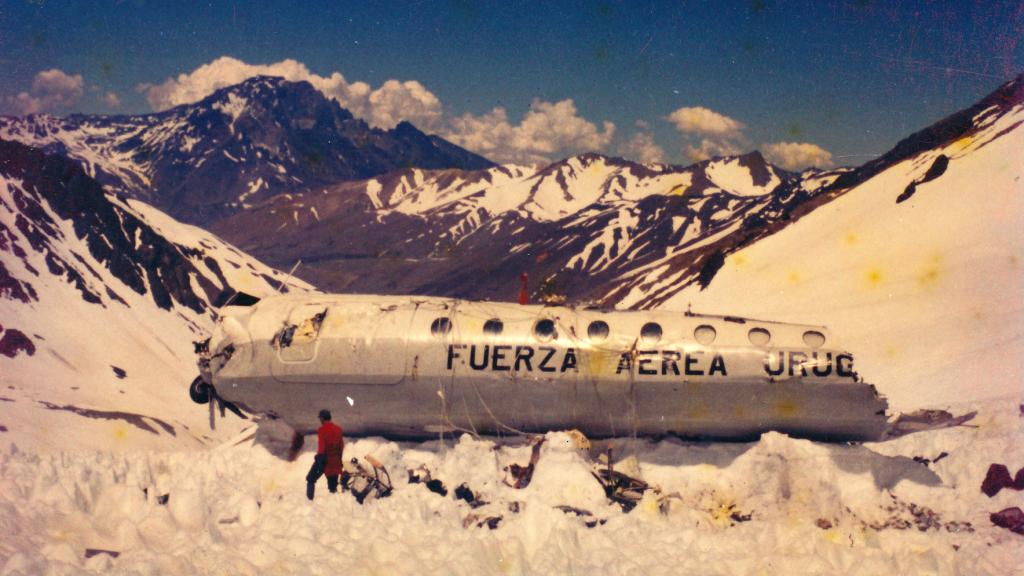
(931, 271)
(787, 408)
(874, 277)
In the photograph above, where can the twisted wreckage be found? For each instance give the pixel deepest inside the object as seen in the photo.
(413, 367)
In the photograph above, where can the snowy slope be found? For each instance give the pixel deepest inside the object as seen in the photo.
(776, 506)
(100, 300)
(918, 269)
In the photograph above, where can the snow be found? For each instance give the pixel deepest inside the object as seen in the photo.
(736, 178)
(79, 344)
(813, 508)
(233, 108)
(926, 293)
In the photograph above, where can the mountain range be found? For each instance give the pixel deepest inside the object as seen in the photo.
(238, 146)
(292, 178)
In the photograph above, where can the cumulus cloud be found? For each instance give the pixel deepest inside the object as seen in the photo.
(111, 100)
(641, 146)
(395, 101)
(797, 155)
(547, 130)
(708, 133)
(52, 90)
(700, 120)
(712, 147)
(384, 107)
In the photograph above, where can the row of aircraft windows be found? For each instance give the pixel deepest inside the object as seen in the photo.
(650, 333)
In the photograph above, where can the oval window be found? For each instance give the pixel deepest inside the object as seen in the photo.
(759, 336)
(440, 327)
(705, 334)
(597, 330)
(544, 330)
(650, 333)
(493, 326)
(814, 339)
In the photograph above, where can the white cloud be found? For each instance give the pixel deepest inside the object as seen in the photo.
(226, 71)
(385, 107)
(111, 100)
(641, 147)
(548, 130)
(700, 120)
(797, 155)
(51, 90)
(711, 147)
(545, 132)
(395, 101)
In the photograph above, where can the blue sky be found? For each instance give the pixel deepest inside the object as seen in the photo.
(850, 78)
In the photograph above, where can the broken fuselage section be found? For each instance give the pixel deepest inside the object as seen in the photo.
(412, 367)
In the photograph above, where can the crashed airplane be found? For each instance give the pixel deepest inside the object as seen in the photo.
(413, 367)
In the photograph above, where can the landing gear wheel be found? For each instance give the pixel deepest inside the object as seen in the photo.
(199, 391)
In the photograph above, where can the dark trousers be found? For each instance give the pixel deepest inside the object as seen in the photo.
(315, 472)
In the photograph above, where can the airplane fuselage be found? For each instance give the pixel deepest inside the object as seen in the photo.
(406, 366)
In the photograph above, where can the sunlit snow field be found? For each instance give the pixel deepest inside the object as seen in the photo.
(813, 509)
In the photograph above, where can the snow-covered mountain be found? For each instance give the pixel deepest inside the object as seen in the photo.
(238, 146)
(100, 299)
(589, 228)
(582, 222)
(917, 265)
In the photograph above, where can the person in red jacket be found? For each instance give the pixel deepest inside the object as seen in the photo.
(329, 449)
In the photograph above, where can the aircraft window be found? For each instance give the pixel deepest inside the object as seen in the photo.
(545, 330)
(597, 330)
(705, 334)
(493, 326)
(651, 332)
(814, 339)
(759, 336)
(441, 327)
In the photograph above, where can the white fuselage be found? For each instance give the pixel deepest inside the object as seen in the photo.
(409, 366)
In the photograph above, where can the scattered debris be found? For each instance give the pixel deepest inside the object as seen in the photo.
(824, 523)
(922, 420)
(463, 492)
(491, 522)
(521, 475)
(422, 475)
(1010, 518)
(119, 372)
(926, 461)
(90, 552)
(626, 491)
(998, 477)
(589, 520)
(906, 515)
(163, 499)
(737, 516)
(363, 483)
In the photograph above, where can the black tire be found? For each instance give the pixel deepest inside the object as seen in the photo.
(199, 391)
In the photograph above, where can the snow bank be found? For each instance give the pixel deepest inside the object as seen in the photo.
(775, 506)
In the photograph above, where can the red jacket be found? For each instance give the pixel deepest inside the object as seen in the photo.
(330, 443)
